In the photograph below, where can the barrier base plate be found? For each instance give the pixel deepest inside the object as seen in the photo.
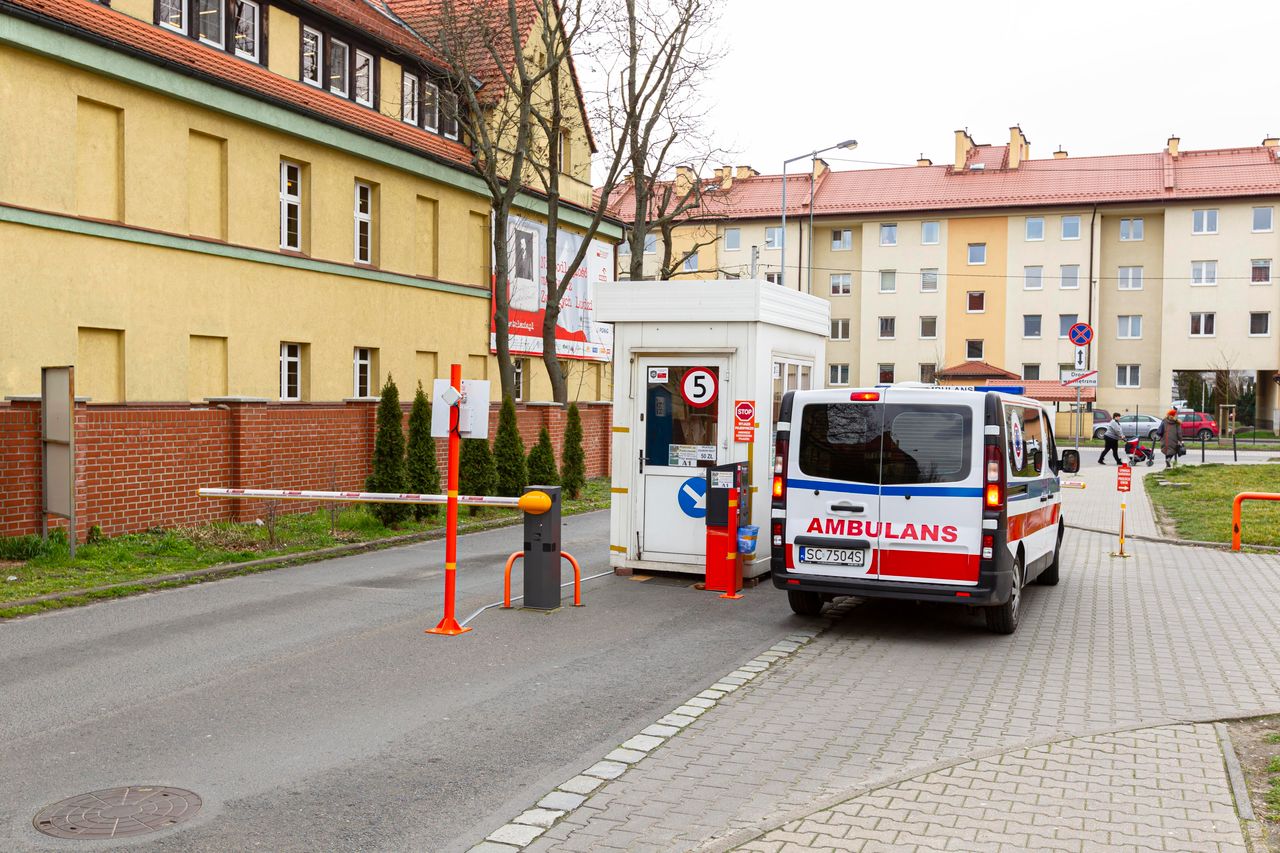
(447, 627)
(730, 595)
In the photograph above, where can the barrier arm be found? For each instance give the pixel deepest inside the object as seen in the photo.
(1238, 504)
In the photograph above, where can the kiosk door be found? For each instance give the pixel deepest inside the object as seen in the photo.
(684, 428)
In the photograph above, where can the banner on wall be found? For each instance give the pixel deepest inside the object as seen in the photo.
(578, 335)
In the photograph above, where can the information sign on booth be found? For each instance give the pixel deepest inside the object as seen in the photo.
(744, 421)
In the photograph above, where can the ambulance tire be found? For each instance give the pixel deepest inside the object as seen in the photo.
(805, 603)
(1049, 577)
(1003, 618)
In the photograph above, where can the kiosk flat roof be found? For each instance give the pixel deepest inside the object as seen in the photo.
(723, 301)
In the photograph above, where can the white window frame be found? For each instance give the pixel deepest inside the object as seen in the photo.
(1026, 369)
(982, 251)
(345, 91)
(690, 263)
(1037, 278)
(1063, 328)
(221, 6)
(290, 200)
(287, 358)
(838, 374)
(1129, 327)
(1039, 331)
(1263, 334)
(1135, 229)
(1271, 220)
(889, 277)
(888, 233)
(773, 277)
(651, 243)
(891, 323)
(1206, 318)
(773, 236)
(971, 293)
(736, 241)
(840, 329)
(355, 78)
(1028, 232)
(517, 365)
(1258, 263)
(1200, 273)
(841, 239)
(924, 230)
(430, 117)
(318, 82)
(1125, 277)
(1201, 217)
(186, 14)
(1132, 376)
(1062, 232)
(932, 337)
(410, 98)
(841, 284)
(256, 53)
(441, 111)
(982, 349)
(1062, 277)
(923, 280)
(363, 221)
(362, 362)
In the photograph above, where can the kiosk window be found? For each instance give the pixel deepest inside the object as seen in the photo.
(677, 434)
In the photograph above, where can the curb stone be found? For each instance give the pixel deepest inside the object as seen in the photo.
(639, 746)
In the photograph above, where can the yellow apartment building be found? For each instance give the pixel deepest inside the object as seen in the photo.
(991, 258)
(203, 199)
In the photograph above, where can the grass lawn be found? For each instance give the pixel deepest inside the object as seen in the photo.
(1202, 509)
(30, 568)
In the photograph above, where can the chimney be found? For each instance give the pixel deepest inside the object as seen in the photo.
(1271, 142)
(685, 178)
(1173, 146)
(923, 160)
(725, 174)
(1060, 154)
(1019, 147)
(745, 172)
(964, 144)
(820, 168)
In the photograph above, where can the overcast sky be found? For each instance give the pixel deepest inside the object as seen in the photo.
(900, 77)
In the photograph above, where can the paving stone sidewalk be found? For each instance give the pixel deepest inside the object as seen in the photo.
(892, 690)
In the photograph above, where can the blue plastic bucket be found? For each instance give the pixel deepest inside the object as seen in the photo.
(747, 536)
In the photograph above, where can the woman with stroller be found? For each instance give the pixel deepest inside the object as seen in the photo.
(1170, 434)
(1112, 435)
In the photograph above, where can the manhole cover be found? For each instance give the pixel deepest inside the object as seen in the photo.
(118, 812)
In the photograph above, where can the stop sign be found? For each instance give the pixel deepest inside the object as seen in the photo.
(745, 411)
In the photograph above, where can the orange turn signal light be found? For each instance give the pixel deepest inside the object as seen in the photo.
(993, 495)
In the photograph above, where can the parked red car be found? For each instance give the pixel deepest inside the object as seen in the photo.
(1198, 425)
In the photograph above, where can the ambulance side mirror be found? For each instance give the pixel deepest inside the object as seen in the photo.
(1070, 463)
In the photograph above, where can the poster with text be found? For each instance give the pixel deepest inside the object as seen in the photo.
(578, 335)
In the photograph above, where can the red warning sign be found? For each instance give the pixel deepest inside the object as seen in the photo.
(1124, 477)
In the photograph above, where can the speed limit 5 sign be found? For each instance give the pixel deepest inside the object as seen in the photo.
(698, 387)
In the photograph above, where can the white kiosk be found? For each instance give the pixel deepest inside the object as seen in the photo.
(687, 354)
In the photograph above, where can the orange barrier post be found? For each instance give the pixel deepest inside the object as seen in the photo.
(577, 578)
(1238, 504)
(449, 624)
(506, 579)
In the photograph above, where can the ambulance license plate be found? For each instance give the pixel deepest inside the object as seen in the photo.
(834, 556)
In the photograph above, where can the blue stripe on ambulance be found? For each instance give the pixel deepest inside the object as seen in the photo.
(897, 491)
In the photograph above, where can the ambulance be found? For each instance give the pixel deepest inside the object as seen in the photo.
(920, 492)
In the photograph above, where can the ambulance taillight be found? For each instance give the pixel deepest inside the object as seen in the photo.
(994, 491)
(780, 472)
(988, 547)
(776, 532)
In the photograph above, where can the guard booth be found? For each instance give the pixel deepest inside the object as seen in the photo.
(691, 358)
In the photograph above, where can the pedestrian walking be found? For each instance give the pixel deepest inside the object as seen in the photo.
(1170, 434)
(1112, 435)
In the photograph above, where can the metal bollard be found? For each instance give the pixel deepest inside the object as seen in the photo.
(542, 554)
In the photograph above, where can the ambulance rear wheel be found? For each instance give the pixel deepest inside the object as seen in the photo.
(1003, 618)
(805, 603)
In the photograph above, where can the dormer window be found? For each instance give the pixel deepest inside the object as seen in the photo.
(231, 25)
(336, 64)
(977, 167)
(311, 42)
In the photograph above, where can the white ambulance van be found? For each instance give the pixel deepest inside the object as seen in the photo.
(913, 491)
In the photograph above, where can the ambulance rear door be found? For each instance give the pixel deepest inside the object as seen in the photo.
(930, 527)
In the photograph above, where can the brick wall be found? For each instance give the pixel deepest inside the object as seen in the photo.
(139, 465)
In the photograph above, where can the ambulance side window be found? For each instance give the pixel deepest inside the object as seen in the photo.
(1024, 441)
(926, 444)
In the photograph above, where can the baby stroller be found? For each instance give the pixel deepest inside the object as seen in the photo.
(1137, 452)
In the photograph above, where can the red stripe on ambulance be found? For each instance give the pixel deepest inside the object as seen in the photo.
(928, 565)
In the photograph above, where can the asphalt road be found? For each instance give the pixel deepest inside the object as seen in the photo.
(310, 712)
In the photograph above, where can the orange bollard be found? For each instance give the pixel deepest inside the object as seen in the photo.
(449, 624)
(577, 578)
(1238, 504)
(506, 579)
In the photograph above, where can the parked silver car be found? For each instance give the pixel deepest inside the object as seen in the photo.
(1133, 425)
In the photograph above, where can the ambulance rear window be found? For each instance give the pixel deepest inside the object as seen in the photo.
(841, 441)
(926, 444)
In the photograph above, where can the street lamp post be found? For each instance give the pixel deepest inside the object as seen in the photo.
(847, 145)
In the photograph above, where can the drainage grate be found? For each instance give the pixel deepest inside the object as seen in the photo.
(118, 812)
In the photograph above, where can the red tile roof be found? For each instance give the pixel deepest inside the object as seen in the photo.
(376, 19)
(975, 370)
(1123, 178)
(198, 60)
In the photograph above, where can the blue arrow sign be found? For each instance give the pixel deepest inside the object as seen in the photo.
(1080, 334)
(693, 497)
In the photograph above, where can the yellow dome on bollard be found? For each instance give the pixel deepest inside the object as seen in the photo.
(535, 503)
